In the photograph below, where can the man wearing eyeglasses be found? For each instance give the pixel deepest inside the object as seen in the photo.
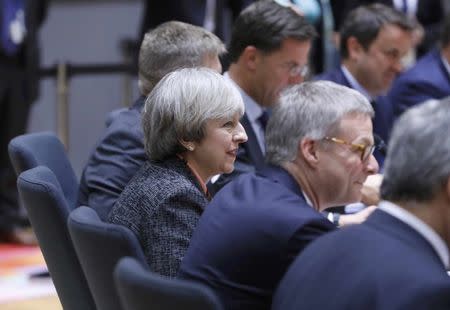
(319, 146)
(399, 257)
(373, 41)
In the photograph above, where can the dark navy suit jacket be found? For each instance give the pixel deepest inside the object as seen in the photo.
(248, 235)
(384, 113)
(380, 264)
(115, 160)
(428, 79)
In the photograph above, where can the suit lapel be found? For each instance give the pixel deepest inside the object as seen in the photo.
(251, 146)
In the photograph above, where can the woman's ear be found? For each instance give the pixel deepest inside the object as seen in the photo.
(190, 146)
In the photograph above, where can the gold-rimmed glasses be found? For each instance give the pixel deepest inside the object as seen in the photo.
(365, 149)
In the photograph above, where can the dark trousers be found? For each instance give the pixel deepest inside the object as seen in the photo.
(14, 111)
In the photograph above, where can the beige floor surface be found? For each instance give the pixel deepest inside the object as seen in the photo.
(44, 303)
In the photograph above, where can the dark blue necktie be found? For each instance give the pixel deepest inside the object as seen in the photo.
(263, 119)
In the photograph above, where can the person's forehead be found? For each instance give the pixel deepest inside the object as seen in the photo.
(292, 50)
(391, 35)
(356, 127)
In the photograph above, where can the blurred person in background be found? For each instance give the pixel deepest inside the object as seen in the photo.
(20, 21)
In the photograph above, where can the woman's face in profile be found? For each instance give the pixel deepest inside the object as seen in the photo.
(217, 151)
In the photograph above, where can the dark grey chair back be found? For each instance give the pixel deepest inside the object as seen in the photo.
(99, 247)
(48, 211)
(44, 149)
(141, 289)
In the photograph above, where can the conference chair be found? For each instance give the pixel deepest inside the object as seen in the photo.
(99, 247)
(141, 289)
(48, 210)
(44, 148)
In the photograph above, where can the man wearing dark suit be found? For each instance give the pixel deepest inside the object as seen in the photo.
(319, 149)
(19, 86)
(120, 152)
(398, 258)
(428, 79)
(374, 39)
(267, 55)
(429, 14)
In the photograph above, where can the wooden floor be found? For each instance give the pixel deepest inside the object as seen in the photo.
(45, 303)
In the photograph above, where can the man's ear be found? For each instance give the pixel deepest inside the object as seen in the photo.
(307, 148)
(354, 48)
(250, 57)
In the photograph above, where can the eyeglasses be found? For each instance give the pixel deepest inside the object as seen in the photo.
(296, 70)
(299, 70)
(366, 150)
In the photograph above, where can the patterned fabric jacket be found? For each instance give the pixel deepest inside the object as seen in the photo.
(161, 205)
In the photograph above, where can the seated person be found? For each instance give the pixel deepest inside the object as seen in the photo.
(120, 152)
(428, 79)
(319, 149)
(192, 132)
(398, 258)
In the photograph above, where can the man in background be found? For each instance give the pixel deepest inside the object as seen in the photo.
(374, 39)
(20, 21)
(428, 79)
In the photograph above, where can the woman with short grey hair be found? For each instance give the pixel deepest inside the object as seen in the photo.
(191, 133)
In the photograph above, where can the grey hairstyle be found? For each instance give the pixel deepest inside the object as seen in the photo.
(418, 158)
(180, 105)
(309, 110)
(173, 45)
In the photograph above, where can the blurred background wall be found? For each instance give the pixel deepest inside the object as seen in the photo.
(84, 32)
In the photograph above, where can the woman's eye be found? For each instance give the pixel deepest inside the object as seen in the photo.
(228, 124)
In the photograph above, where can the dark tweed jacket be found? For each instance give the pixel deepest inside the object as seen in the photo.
(161, 205)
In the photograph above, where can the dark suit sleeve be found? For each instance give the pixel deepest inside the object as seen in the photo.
(307, 233)
(114, 162)
(430, 297)
(406, 94)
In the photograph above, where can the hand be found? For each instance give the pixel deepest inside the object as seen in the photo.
(371, 190)
(356, 218)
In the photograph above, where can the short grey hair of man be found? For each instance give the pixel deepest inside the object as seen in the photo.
(309, 110)
(173, 45)
(180, 105)
(418, 158)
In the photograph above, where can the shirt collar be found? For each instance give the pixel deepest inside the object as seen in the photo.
(420, 227)
(354, 83)
(308, 201)
(252, 109)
